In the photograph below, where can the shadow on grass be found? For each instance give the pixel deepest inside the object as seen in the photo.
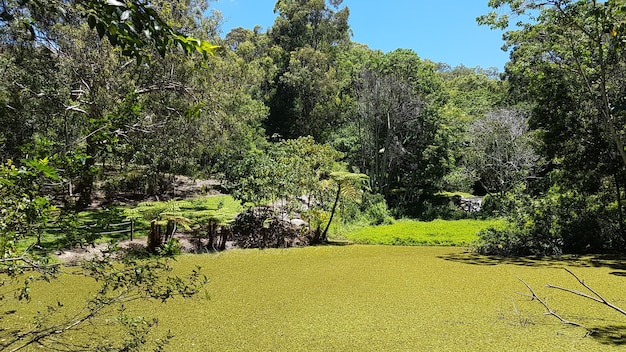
(614, 335)
(613, 261)
(336, 243)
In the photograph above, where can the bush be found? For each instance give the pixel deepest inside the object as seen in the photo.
(375, 210)
(170, 248)
(260, 227)
(558, 222)
(513, 241)
(496, 205)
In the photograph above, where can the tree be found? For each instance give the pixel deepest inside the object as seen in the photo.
(584, 37)
(60, 81)
(473, 91)
(131, 25)
(567, 62)
(296, 179)
(501, 152)
(402, 143)
(177, 115)
(305, 95)
(346, 182)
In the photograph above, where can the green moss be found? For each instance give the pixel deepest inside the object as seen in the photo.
(378, 298)
(411, 232)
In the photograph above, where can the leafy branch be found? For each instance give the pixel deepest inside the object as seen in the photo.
(120, 284)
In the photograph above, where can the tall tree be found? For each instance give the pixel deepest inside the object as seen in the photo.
(581, 40)
(307, 36)
(501, 152)
(403, 144)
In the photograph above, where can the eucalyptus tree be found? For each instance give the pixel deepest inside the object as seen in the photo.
(305, 96)
(403, 145)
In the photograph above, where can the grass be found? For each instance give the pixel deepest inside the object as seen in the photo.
(377, 298)
(461, 194)
(198, 210)
(411, 232)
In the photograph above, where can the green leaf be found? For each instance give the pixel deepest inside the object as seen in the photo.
(42, 167)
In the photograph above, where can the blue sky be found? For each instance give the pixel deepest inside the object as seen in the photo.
(441, 31)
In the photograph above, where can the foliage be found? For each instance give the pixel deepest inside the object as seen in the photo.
(472, 92)
(412, 233)
(197, 211)
(88, 325)
(349, 185)
(26, 212)
(567, 64)
(288, 170)
(296, 178)
(260, 227)
(170, 248)
(23, 207)
(131, 25)
(500, 152)
(306, 92)
(560, 221)
(402, 142)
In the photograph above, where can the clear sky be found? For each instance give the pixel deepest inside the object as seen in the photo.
(438, 30)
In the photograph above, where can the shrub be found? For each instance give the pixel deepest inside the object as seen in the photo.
(260, 227)
(558, 222)
(374, 207)
(170, 248)
(513, 241)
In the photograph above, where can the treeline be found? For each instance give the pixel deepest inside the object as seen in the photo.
(544, 143)
(79, 101)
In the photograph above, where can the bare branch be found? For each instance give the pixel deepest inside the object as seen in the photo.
(549, 311)
(598, 298)
(75, 108)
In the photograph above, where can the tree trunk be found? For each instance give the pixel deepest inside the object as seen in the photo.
(154, 237)
(169, 232)
(620, 208)
(85, 185)
(332, 214)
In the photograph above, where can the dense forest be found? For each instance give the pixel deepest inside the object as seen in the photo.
(91, 110)
(107, 113)
(105, 102)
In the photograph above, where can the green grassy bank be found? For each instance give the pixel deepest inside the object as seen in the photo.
(423, 233)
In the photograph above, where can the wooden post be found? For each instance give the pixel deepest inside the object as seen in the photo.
(132, 229)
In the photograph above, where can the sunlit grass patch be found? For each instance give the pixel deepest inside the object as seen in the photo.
(197, 210)
(460, 194)
(411, 232)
